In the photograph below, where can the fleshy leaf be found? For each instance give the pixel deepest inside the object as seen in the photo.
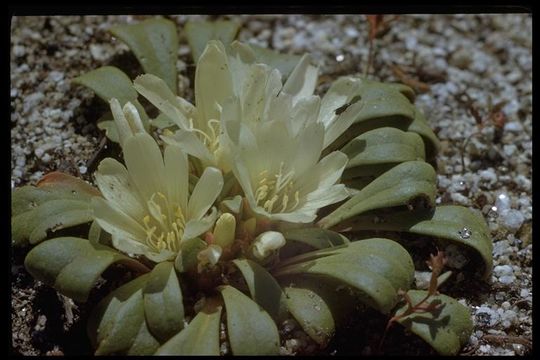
(110, 82)
(198, 34)
(251, 330)
(383, 146)
(285, 63)
(315, 237)
(454, 223)
(312, 313)
(376, 267)
(73, 265)
(96, 235)
(58, 201)
(340, 300)
(117, 324)
(447, 329)
(200, 337)
(263, 288)
(155, 44)
(163, 305)
(398, 186)
(387, 105)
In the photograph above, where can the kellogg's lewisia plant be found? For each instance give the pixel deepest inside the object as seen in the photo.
(230, 214)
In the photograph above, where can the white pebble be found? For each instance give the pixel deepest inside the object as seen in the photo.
(507, 279)
(484, 313)
(460, 199)
(513, 126)
(82, 169)
(502, 203)
(488, 175)
(512, 219)
(501, 270)
(524, 293)
(509, 150)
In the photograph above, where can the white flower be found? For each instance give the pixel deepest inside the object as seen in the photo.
(220, 75)
(147, 207)
(277, 163)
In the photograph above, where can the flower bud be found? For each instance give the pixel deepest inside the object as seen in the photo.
(133, 118)
(127, 120)
(224, 231)
(266, 243)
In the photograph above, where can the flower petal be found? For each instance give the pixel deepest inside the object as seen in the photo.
(310, 146)
(191, 144)
(305, 112)
(326, 173)
(213, 82)
(160, 95)
(176, 176)
(205, 193)
(303, 79)
(145, 164)
(340, 123)
(340, 92)
(115, 222)
(114, 183)
(196, 227)
(324, 196)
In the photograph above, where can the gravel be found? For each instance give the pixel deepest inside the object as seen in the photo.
(477, 72)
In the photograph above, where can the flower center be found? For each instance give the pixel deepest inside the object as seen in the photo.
(164, 224)
(277, 192)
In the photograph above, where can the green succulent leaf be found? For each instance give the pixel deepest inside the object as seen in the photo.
(315, 237)
(340, 300)
(187, 258)
(198, 34)
(285, 63)
(117, 324)
(200, 337)
(251, 330)
(73, 265)
(447, 329)
(96, 235)
(386, 105)
(110, 82)
(263, 288)
(163, 305)
(376, 267)
(57, 202)
(312, 313)
(420, 126)
(399, 186)
(155, 44)
(383, 146)
(450, 222)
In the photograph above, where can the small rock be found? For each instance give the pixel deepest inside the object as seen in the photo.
(507, 279)
(513, 126)
(502, 270)
(486, 316)
(512, 219)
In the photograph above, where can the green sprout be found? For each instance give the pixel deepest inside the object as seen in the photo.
(231, 213)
